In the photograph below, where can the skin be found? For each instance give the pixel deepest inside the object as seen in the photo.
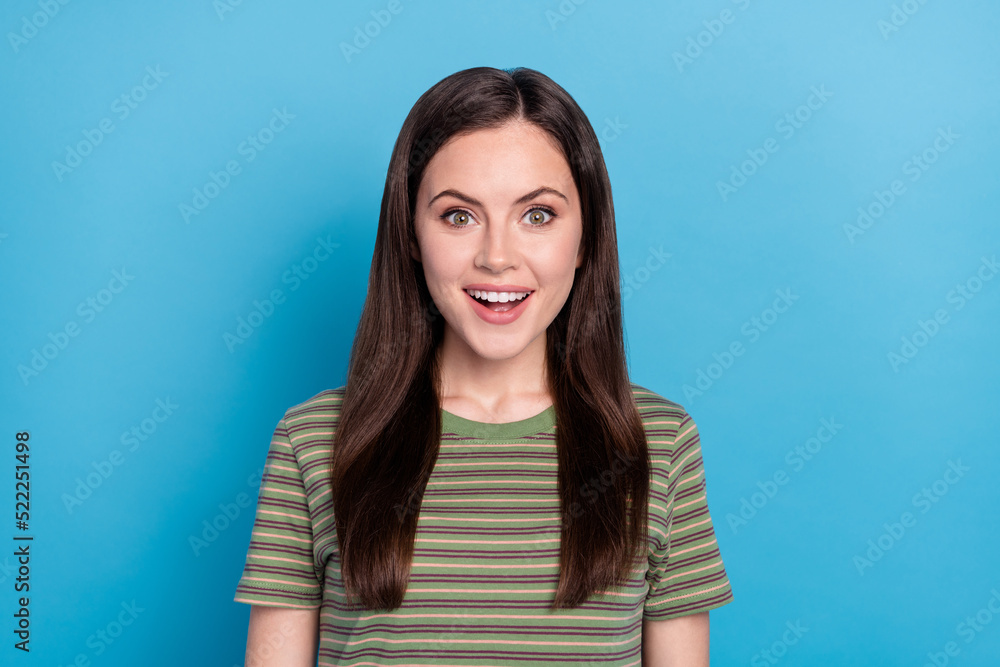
(491, 373)
(496, 373)
(282, 637)
(676, 642)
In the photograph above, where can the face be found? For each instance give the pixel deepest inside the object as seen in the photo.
(497, 210)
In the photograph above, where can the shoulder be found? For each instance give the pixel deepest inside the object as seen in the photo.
(662, 418)
(674, 446)
(324, 405)
(671, 436)
(311, 422)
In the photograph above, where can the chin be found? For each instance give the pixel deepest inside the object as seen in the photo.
(501, 349)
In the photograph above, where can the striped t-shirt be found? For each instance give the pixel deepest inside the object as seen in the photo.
(486, 555)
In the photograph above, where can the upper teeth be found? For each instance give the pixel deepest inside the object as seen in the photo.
(502, 297)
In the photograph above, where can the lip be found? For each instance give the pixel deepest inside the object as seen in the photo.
(493, 317)
(486, 287)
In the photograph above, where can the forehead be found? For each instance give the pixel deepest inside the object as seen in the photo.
(515, 157)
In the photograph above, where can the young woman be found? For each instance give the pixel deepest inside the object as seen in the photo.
(488, 487)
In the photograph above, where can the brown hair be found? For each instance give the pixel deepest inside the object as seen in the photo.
(389, 427)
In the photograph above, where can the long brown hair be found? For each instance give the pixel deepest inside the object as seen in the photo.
(387, 436)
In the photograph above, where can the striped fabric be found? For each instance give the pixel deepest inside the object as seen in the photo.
(486, 559)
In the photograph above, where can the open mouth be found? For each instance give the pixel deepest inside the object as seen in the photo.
(499, 302)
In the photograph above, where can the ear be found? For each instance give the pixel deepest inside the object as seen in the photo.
(414, 251)
(579, 257)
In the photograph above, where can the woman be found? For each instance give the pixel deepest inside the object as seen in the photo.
(488, 487)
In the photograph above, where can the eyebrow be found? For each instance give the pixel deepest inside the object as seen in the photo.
(475, 202)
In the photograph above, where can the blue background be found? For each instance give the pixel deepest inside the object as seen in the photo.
(672, 130)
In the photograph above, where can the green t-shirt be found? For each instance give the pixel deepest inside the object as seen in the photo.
(486, 559)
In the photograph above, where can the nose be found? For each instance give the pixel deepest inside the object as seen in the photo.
(498, 247)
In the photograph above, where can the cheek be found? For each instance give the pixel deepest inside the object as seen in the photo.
(556, 261)
(443, 269)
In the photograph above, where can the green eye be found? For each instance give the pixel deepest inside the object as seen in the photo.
(537, 217)
(461, 218)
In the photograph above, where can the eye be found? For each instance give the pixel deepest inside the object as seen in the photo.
(540, 216)
(462, 218)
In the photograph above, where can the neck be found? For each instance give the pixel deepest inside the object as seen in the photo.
(473, 383)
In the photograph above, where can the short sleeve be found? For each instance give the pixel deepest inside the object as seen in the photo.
(279, 569)
(686, 574)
